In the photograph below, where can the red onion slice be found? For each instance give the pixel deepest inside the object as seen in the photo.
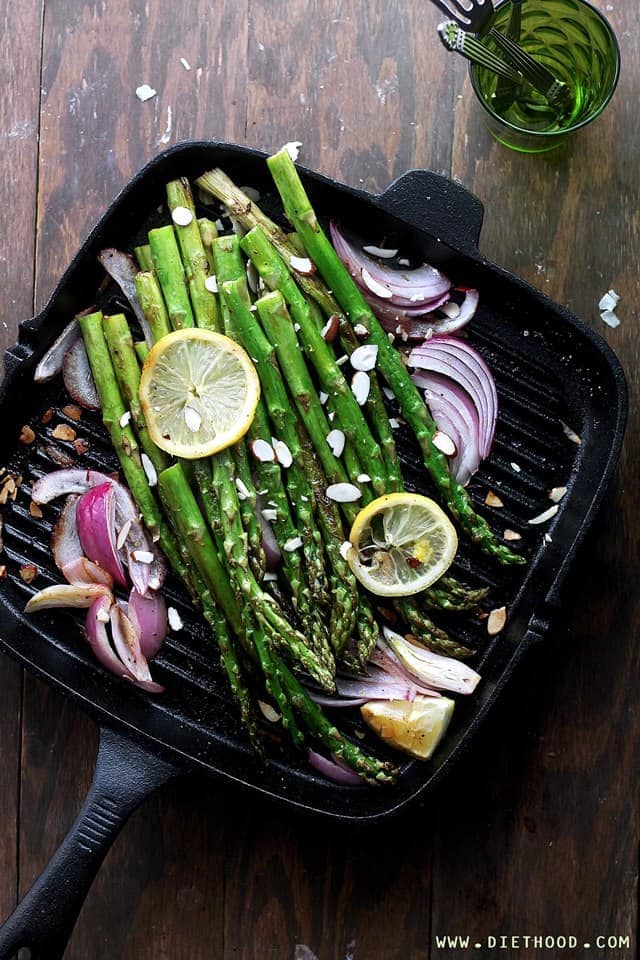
(78, 378)
(96, 517)
(65, 542)
(83, 570)
(123, 268)
(63, 482)
(78, 595)
(444, 673)
(148, 615)
(384, 657)
(333, 770)
(454, 413)
(126, 642)
(376, 687)
(98, 615)
(341, 702)
(407, 287)
(51, 363)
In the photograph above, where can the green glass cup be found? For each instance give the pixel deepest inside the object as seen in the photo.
(577, 45)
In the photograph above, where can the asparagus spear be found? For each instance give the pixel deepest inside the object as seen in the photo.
(125, 365)
(429, 634)
(141, 348)
(143, 256)
(170, 273)
(152, 303)
(276, 276)
(194, 257)
(414, 410)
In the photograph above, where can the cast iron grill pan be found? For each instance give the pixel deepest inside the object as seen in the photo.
(550, 370)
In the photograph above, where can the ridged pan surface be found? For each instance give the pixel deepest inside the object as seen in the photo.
(550, 371)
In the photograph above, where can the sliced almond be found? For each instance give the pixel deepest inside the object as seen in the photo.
(345, 548)
(557, 493)
(143, 556)
(64, 432)
(570, 434)
(125, 419)
(336, 440)
(330, 330)
(374, 286)
(360, 385)
(363, 478)
(383, 252)
(174, 618)
(263, 451)
(241, 487)
(546, 515)
(26, 434)
(283, 454)
(149, 470)
(444, 443)
(302, 265)
(293, 543)
(124, 533)
(511, 535)
(35, 510)
(496, 621)
(28, 572)
(181, 216)
(493, 500)
(81, 446)
(343, 492)
(360, 330)
(270, 514)
(364, 357)
(268, 712)
(73, 411)
(211, 283)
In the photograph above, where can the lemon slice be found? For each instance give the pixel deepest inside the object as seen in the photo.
(416, 728)
(198, 392)
(401, 543)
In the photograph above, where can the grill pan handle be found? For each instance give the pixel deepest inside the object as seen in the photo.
(43, 921)
(438, 205)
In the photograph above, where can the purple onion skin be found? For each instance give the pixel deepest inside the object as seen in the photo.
(96, 527)
(149, 615)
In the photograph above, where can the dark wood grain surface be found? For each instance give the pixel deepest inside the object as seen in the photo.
(537, 832)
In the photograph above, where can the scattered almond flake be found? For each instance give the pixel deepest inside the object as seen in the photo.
(364, 357)
(26, 434)
(391, 337)
(525, 333)
(511, 535)
(609, 301)
(270, 514)
(547, 538)
(557, 493)
(360, 734)
(293, 543)
(360, 330)
(403, 262)
(145, 92)
(293, 149)
(336, 440)
(125, 419)
(331, 416)
(81, 445)
(323, 397)
(360, 386)
(182, 216)
(252, 193)
(283, 454)
(343, 492)
(302, 265)
(394, 423)
(570, 434)
(515, 467)
(143, 556)
(268, 712)
(383, 252)
(28, 572)
(73, 411)
(174, 618)
(149, 470)
(253, 308)
(185, 63)
(496, 621)
(64, 432)
(296, 327)
(252, 277)
(219, 225)
(546, 515)
(451, 310)
(237, 228)
(47, 416)
(103, 615)
(610, 318)
(211, 283)
(192, 418)
(363, 478)
(124, 533)
(269, 577)
(345, 547)
(374, 286)
(388, 392)
(330, 330)
(342, 360)
(444, 443)
(35, 510)
(241, 487)
(493, 500)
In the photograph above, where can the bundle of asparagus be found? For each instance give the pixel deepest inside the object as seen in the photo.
(313, 617)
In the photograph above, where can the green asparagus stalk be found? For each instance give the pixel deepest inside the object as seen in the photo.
(414, 410)
(170, 273)
(125, 365)
(194, 257)
(208, 233)
(272, 673)
(152, 303)
(142, 350)
(143, 256)
(429, 634)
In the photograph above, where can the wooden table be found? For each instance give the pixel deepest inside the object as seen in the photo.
(537, 833)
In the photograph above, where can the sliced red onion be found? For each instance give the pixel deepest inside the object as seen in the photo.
(408, 288)
(456, 360)
(454, 413)
(384, 658)
(51, 363)
(84, 570)
(78, 595)
(376, 686)
(148, 614)
(126, 642)
(444, 673)
(333, 770)
(341, 702)
(96, 517)
(63, 482)
(65, 542)
(78, 378)
(123, 268)
(98, 616)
